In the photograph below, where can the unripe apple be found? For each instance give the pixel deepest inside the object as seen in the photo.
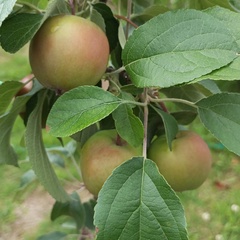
(100, 155)
(68, 51)
(27, 85)
(187, 166)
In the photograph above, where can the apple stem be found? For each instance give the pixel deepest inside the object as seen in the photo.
(119, 140)
(72, 6)
(145, 122)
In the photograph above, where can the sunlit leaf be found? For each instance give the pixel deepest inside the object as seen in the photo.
(136, 203)
(177, 47)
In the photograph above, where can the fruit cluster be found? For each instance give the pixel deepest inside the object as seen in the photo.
(69, 51)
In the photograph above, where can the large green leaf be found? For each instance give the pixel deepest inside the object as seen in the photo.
(231, 20)
(136, 203)
(37, 153)
(220, 113)
(6, 7)
(177, 47)
(18, 29)
(80, 108)
(128, 125)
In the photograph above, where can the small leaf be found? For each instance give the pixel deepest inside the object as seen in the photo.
(55, 7)
(7, 92)
(184, 117)
(6, 7)
(89, 212)
(207, 87)
(72, 208)
(170, 125)
(220, 113)
(136, 203)
(18, 29)
(80, 108)
(53, 236)
(128, 125)
(177, 47)
(37, 153)
(7, 153)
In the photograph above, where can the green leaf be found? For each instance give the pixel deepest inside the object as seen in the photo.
(55, 7)
(207, 87)
(53, 236)
(170, 125)
(37, 153)
(89, 212)
(80, 108)
(184, 117)
(177, 47)
(7, 92)
(187, 92)
(6, 7)
(7, 153)
(203, 4)
(18, 29)
(136, 203)
(231, 20)
(220, 113)
(128, 125)
(72, 208)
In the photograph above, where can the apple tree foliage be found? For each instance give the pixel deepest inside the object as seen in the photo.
(164, 51)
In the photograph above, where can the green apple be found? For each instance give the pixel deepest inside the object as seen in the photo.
(68, 51)
(187, 166)
(100, 155)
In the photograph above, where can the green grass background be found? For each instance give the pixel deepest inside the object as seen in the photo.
(212, 211)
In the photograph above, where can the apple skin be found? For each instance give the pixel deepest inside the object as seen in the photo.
(27, 85)
(187, 166)
(100, 155)
(68, 51)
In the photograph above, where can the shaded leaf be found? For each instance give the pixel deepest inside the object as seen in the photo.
(170, 125)
(203, 4)
(136, 203)
(37, 153)
(220, 113)
(177, 47)
(111, 23)
(53, 236)
(128, 125)
(80, 108)
(184, 117)
(7, 92)
(72, 208)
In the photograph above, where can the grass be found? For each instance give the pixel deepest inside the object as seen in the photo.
(212, 211)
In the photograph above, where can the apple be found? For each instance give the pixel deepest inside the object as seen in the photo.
(27, 85)
(101, 154)
(68, 51)
(187, 166)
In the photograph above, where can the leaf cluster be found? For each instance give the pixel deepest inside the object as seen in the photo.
(168, 65)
